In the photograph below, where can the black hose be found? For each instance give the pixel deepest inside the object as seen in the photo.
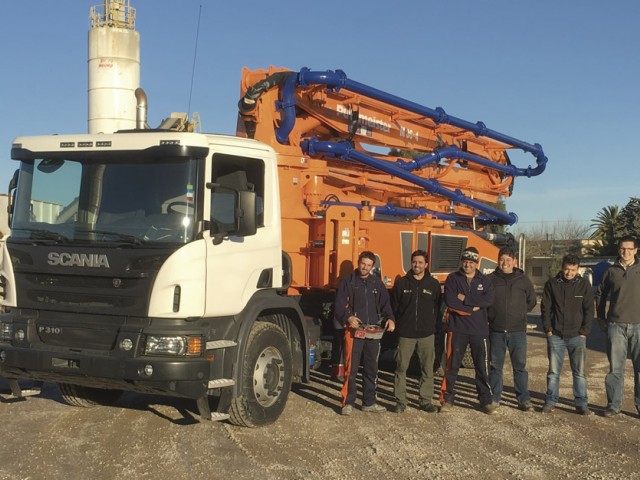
(248, 102)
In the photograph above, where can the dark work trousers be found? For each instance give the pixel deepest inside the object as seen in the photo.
(357, 351)
(337, 353)
(456, 346)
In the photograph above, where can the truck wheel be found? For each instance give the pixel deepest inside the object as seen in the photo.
(266, 377)
(79, 396)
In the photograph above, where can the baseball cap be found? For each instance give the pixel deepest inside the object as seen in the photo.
(470, 253)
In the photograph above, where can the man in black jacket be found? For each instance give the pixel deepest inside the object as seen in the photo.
(416, 303)
(567, 313)
(513, 298)
(620, 290)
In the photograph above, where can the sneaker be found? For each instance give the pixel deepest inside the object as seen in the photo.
(446, 407)
(346, 410)
(429, 408)
(548, 408)
(609, 412)
(583, 410)
(400, 408)
(375, 408)
(489, 408)
(526, 407)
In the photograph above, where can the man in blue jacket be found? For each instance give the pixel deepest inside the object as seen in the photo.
(416, 305)
(467, 293)
(362, 305)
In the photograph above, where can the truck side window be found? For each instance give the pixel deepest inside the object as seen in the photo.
(226, 171)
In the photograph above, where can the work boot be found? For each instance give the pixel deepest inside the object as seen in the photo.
(583, 410)
(609, 412)
(446, 407)
(400, 408)
(346, 410)
(490, 408)
(526, 407)
(429, 408)
(375, 408)
(548, 408)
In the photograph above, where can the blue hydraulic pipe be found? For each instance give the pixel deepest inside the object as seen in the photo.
(345, 151)
(338, 80)
(454, 152)
(393, 211)
(288, 104)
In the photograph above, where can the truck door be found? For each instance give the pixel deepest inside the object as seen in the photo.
(239, 265)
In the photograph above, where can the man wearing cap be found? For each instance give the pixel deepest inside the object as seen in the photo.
(513, 298)
(467, 293)
(416, 306)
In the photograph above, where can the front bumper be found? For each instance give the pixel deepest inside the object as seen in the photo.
(184, 377)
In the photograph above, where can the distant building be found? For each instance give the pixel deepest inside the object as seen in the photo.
(540, 268)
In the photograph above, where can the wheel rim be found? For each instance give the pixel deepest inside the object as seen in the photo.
(268, 376)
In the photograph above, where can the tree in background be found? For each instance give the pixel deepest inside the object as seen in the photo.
(502, 206)
(604, 232)
(554, 240)
(628, 220)
(546, 239)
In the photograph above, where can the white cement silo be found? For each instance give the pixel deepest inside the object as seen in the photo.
(114, 67)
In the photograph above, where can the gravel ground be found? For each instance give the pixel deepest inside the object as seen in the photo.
(149, 437)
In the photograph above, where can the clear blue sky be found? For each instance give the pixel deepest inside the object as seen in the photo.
(564, 74)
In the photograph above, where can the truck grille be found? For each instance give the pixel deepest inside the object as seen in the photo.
(81, 293)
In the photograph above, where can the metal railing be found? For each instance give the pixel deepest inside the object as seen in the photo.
(113, 13)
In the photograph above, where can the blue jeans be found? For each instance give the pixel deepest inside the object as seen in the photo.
(516, 344)
(577, 348)
(623, 338)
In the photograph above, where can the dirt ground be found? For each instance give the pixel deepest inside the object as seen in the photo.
(144, 436)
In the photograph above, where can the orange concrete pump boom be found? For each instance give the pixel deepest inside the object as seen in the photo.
(459, 163)
(373, 156)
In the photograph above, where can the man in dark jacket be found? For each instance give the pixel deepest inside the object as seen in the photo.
(362, 305)
(513, 298)
(467, 293)
(416, 304)
(621, 287)
(567, 313)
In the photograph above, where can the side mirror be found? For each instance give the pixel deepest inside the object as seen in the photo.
(13, 184)
(246, 214)
(233, 212)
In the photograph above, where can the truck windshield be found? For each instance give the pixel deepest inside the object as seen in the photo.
(127, 201)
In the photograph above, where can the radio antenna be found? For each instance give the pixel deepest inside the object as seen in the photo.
(195, 54)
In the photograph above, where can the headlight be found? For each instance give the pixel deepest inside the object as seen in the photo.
(6, 331)
(173, 345)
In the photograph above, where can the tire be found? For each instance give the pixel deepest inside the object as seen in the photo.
(266, 377)
(87, 397)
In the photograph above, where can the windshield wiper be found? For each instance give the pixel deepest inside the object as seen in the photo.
(42, 234)
(120, 236)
